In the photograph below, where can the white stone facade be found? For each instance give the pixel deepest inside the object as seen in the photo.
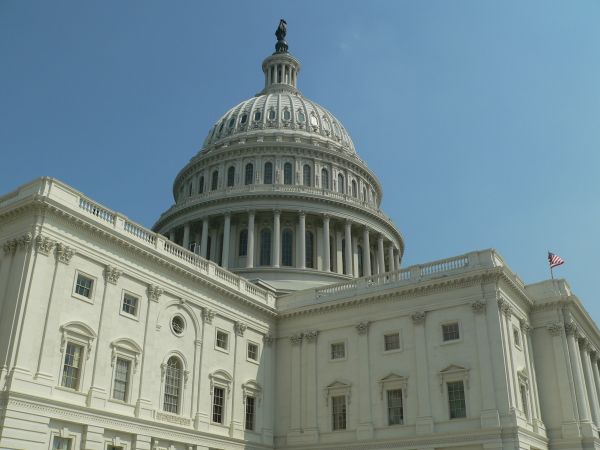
(113, 336)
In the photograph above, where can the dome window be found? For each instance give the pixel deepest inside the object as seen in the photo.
(314, 121)
(230, 176)
(257, 115)
(287, 115)
(231, 122)
(301, 117)
(287, 173)
(244, 119)
(221, 127)
(326, 125)
(249, 178)
(272, 114)
(336, 130)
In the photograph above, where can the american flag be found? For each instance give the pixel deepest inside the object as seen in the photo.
(554, 260)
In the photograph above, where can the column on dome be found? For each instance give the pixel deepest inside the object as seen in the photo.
(339, 264)
(204, 242)
(226, 237)
(366, 253)
(397, 260)
(276, 238)
(391, 257)
(326, 244)
(348, 247)
(595, 373)
(186, 236)
(250, 249)
(302, 238)
(380, 255)
(355, 272)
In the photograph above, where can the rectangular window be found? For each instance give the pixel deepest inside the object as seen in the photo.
(84, 286)
(222, 340)
(113, 447)
(338, 412)
(250, 410)
(524, 400)
(252, 351)
(395, 407)
(59, 443)
(72, 366)
(450, 332)
(130, 304)
(218, 402)
(338, 350)
(121, 383)
(391, 341)
(456, 400)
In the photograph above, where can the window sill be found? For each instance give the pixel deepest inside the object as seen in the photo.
(83, 298)
(222, 350)
(453, 341)
(395, 350)
(253, 361)
(129, 316)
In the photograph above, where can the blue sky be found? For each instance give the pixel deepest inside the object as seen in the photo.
(481, 118)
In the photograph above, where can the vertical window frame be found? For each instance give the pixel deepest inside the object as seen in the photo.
(127, 293)
(92, 288)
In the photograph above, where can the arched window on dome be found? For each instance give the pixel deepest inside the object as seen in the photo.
(249, 177)
(230, 176)
(191, 189)
(287, 173)
(306, 178)
(359, 250)
(354, 189)
(201, 185)
(340, 183)
(243, 243)
(219, 255)
(365, 199)
(310, 250)
(265, 247)
(287, 241)
(208, 247)
(173, 385)
(331, 254)
(324, 179)
(214, 183)
(268, 173)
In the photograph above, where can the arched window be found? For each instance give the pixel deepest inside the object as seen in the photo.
(230, 176)
(340, 183)
(201, 185)
(190, 190)
(309, 253)
(359, 250)
(243, 244)
(365, 194)
(287, 173)
(324, 179)
(215, 180)
(249, 174)
(354, 189)
(265, 247)
(173, 372)
(268, 175)
(287, 239)
(306, 181)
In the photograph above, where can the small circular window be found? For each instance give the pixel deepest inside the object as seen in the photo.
(177, 325)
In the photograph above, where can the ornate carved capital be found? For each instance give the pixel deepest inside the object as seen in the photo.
(268, 339)
(23, 242)
(363, 327)
(310, 335)
(525, 327)
(154, 292)
(112, 274)
(296, 339)
(571, 329)
(44, 245)
(554, 328)
(240, 328)
(208, 315)
(505, 307)
(64, 253)
(418, 318)
(594, 355)
(478, 306)
(10, 247)
(585, 345)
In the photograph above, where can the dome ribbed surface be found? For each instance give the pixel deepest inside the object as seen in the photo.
(281, 111)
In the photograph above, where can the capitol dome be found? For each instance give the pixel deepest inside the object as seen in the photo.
(278, 193)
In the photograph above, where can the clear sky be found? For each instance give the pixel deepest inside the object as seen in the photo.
(481, 118)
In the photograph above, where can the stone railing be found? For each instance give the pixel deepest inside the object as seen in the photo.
(412, 274)
(221, 193)
(54, 191)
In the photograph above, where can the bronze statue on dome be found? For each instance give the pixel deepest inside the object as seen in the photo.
(281, 46)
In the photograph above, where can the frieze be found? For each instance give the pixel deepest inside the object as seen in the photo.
(172, 419)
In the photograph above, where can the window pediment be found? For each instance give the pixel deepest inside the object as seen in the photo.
(336, 388)
(393, 381)
(220, 378)
(78, 332)
(454, 372)
(252, 389)
(128, 348)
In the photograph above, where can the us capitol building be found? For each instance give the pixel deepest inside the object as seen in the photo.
(267, 309)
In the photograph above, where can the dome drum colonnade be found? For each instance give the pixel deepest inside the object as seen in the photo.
(278, 185)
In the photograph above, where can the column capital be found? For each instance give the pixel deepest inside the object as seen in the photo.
(64, 253)
(208, 315)
(348, 222)
(111, 274)
(363, 327)
(571, 329)
(277, 212)
(154, 292)
(594, 355)
(44, 245)
(326, 217)
(555, 328)
(504, 306)
(227, 214)
(301, 213)
(296, 339)
(418, 318)
(478, 306)
(251, 212)
(268, 338)
(380, 237)
(240, 328)
(310, 335)
(525, 326)
(585, 345)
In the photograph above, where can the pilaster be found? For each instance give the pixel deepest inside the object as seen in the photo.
(424, 421)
